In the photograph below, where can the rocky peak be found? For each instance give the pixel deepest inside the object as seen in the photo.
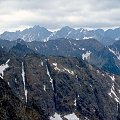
(64, 86)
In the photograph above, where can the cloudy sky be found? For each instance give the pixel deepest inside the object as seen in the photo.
(54, 14)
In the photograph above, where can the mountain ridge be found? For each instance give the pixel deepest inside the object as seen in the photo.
(62, 78)
(89, 50)
(63, 87)
(37, 33)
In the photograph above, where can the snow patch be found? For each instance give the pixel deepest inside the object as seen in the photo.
(119, 91)
(112, 78)
(103, 75)
(116, 53)
(71, 117)
(36, 49)
(23, 76)
(98, 71)
(112, 91)
(8, 84)
(41, 63)
(70, 42)
(69, 71)
(117, 39)
(3, 67)
(75, 102)
(51, 80)
(85, 38)
(56, 68)
(44, 87)
(86, 118)
(112, 51)
(68, 34)
(117, 106)
(56, 47)
(15, 80)
(48, 38)
(83, 48)
(55, 64)
(77, 38)
(86, 55)
(75, 44)
(56, 117)
(62, 69)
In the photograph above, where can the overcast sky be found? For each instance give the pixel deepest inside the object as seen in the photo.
(54, 14)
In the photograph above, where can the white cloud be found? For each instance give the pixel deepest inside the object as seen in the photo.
(52, 14)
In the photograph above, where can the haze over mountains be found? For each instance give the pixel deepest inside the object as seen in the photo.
(38, 33)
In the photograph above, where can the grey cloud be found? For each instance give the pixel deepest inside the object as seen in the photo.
(57, 13)
(105, 4)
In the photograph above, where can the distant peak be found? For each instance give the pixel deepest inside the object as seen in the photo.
(81, 29)
(38, 27)
(67, 28)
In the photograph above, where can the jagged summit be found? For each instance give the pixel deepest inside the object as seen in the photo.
(38, 33)
(64, 87)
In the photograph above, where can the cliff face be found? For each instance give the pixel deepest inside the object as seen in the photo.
(62, 87)
(11, 108)
(105, 58)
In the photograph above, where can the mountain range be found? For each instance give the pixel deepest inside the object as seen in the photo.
(37, 33)
(59, 75)
(91, 50)
(55, 88)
